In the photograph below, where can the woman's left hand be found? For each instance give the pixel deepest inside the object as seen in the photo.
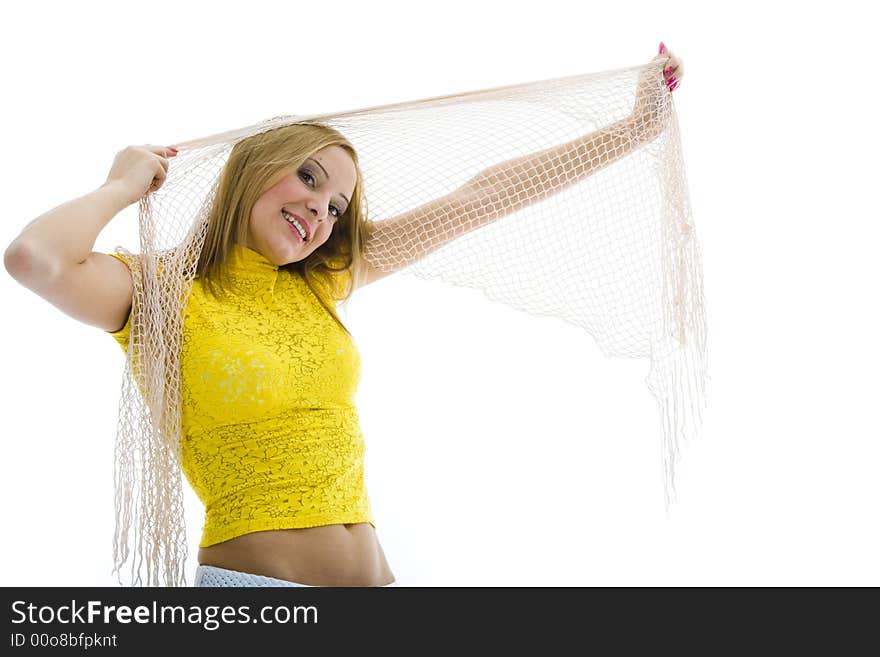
(673, 72)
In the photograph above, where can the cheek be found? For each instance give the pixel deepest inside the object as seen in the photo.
(291, 185)
(324, 235)
(283, 192)
(266, 205)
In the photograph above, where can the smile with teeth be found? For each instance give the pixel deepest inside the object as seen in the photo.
(293, 222)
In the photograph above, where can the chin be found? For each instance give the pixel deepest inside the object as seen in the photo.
(292, 260)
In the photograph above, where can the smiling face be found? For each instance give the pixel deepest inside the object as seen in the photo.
(315, 195)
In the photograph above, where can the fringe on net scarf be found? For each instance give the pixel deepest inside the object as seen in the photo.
(589, 167)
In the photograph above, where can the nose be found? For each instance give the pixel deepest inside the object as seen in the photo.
(317, 207)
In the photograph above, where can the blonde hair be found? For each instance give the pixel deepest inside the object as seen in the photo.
(255, 165)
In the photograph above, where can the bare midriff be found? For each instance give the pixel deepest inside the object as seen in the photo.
(332, 555)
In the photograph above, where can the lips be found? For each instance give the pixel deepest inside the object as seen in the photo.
(293, 229)
(302, 222)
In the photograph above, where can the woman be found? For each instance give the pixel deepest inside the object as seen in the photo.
(271, 440)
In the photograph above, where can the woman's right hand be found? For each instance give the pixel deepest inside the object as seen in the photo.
(139, 170)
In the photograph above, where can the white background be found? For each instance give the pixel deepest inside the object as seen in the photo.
(780, 141)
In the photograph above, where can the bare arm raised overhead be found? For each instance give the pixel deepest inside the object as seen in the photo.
(516, 183)
(53, 257)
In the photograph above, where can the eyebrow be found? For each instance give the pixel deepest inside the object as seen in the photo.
(327, 176)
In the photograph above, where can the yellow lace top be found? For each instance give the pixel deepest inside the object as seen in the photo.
(271, 436)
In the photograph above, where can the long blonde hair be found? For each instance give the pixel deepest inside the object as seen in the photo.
(255, 165)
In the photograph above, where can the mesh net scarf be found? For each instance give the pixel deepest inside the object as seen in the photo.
(601, 188)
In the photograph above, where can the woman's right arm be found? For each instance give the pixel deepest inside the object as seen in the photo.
(53, 255)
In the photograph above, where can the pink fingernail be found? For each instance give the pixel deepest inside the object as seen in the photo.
(662, 48)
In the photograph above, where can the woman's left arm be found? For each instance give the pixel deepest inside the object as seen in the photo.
(511, 185)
